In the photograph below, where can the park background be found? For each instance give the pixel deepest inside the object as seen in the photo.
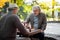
(50, 7)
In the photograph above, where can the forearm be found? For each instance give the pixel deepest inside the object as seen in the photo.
(44, 24)
(27, 34)
(34, 32)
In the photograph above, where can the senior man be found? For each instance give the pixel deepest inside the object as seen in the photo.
(37, 19)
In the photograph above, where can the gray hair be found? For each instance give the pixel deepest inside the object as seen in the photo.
(36, 7)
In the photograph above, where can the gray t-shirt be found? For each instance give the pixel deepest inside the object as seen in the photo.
(35, 22)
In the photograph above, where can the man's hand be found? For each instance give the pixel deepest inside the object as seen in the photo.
(34, 32)
(37, 29)
(42, 31)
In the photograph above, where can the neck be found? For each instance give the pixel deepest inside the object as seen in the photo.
(11, 12)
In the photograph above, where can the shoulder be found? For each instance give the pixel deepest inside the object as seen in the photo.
(43, 14)
(30, 15)
(13, 16)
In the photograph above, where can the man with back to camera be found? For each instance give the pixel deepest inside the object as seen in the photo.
(37, 19)
(10, 22)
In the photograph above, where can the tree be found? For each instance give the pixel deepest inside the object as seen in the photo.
(14, 1)
(53, 4)
(5, 7)
(2, 3)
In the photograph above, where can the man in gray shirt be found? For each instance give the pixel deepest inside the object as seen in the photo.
(37, 19)
(10, 22)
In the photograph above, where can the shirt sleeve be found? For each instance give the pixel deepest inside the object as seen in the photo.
(44, 23)
(28, 19)
(20, 27)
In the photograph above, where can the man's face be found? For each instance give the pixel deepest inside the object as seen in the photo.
(36, 11)
(15, 10)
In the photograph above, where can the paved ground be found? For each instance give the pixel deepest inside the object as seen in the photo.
(53, 30)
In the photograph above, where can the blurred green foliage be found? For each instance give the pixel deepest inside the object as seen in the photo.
(25, 9)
